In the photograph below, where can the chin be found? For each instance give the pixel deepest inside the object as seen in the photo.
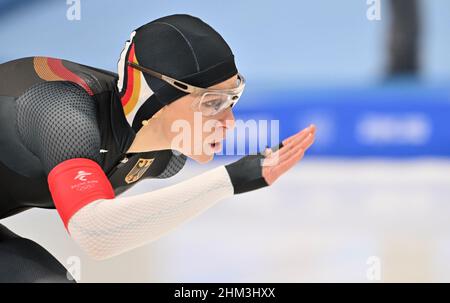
(202, 159)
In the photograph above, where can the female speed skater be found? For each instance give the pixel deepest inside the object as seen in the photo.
(74, 138)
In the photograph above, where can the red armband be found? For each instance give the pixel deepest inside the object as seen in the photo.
(75, 183)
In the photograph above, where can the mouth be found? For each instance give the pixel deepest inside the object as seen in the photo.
(216, 146)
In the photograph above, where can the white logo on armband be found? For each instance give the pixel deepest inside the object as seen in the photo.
(82, 175)
(85, 184)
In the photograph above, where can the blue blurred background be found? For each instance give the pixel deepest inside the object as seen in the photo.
(305, 61)
(375, 183)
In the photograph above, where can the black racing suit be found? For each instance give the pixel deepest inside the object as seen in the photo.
(53, 110)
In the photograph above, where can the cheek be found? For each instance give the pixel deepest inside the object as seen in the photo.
(179, 111)
(186, 114)
(209, 127)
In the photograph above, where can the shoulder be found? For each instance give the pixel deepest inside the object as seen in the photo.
(55, 95)
(58, 121)
(55, 107)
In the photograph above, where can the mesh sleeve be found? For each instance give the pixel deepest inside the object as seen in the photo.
(57, 121)
(175, 164)
(106, 227)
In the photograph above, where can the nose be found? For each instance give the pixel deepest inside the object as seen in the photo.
(227, 121)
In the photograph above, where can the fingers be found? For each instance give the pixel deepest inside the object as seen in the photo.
(304, 145)
(301, 134)
(293, 137)
(280, 157)
(292, 152)
(283, 155)
(302, 140)
(292, 141)
(287, 164)
(308, 142)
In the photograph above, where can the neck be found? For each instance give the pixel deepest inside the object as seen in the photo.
(150, 138)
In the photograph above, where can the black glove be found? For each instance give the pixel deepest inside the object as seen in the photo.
(246, 173)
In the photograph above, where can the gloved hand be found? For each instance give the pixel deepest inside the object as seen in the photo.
(256, 171)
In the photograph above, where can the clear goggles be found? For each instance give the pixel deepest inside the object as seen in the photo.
(209, 101)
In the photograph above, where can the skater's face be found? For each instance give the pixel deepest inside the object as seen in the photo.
(192, 132)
